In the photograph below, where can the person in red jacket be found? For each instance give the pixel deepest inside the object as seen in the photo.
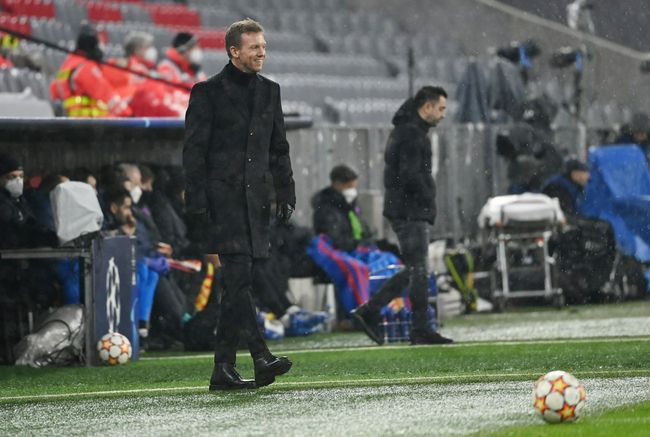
(81, 85)
(182, 63)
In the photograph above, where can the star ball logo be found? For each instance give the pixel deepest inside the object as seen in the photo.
(112, 296)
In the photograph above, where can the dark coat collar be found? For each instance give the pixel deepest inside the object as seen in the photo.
(241, 106)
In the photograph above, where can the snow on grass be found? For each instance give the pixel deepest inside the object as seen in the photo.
(436, 409)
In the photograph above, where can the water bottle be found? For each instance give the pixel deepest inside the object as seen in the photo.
(391, 325)
(404, 324)
(432, 318)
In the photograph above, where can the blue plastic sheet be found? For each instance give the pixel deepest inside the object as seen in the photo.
(619, 192)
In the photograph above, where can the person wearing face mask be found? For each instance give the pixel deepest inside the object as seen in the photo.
(410, 207)
(18, 226)
(81, 87)
(183, 60)
(336, 213)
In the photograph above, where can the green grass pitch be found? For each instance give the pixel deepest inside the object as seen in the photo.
(341, 385)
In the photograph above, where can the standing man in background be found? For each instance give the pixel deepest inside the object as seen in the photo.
(410, 206)
(236, 158)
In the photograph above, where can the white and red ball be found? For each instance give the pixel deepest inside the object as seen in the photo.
(559, 397)
(114, 348)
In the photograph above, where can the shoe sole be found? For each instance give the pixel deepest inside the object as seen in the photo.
(268, 377)
(369, 331)
(230, 387)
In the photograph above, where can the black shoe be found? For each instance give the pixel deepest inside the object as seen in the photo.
(428, 337)
(368, 321)
(267, 367)
(225, 377)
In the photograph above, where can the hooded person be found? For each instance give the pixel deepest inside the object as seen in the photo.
(81, 85)
(410, 207)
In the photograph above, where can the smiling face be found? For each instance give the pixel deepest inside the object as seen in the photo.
(249, 57)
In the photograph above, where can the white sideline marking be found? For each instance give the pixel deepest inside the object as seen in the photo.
(345, 382)
(404, 345)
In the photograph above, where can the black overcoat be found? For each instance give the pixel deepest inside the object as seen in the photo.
(410, 189)
(236, 161)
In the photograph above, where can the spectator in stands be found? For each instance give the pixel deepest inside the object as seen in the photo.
(409, 205)
(336, 213)
(183, 60)
(18, 226)
(81, 86)
(637, 132)
(568, 187)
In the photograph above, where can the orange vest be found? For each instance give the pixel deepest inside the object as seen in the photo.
(84, 91)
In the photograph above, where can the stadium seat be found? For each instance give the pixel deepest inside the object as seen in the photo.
(29, 8)
(18, 24)
(103, 12)
(173, 15)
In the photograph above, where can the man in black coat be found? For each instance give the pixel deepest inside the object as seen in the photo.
(236, 158)
(410, 206)
(335, 212)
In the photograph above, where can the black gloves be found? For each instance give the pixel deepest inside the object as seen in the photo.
(284, 212)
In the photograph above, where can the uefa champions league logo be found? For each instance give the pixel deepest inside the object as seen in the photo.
(112, 296)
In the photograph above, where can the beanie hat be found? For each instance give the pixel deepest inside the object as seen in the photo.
(575, 165)
(8, 164)
(183, 41)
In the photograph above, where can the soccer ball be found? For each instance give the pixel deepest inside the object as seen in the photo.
(114, 349)
(559, 397)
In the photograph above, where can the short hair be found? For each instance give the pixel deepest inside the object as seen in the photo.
(116, 195)
(237, 29)
(146, 174)
(136, 40)
(428, 94)
(344, 174)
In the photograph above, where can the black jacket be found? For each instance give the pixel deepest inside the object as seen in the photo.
(18, 226)
(172, 229)
(235, 161)
(331, 217)
(410, 188)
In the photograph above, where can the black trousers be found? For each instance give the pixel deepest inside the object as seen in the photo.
(413, 239)
(237, 317)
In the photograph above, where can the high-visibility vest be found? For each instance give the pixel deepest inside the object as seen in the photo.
(84, 91)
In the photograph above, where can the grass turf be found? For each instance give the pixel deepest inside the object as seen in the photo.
(628, 421)
(369, 366)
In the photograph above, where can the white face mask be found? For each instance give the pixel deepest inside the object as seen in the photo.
(196, 56)
(350, 194)
(15, 187)
(136, 194)
(151, 55)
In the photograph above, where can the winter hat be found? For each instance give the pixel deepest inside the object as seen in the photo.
(88, 42)
(575, 165)
(183, 41)
(8, 164)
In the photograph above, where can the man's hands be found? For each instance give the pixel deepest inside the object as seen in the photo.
(284, 212)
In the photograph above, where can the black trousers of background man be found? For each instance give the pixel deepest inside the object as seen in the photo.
(413, 237)
(237, 315)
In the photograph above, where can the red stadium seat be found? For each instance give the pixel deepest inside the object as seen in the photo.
(173, 15)
(18, 24)
(30, 8)
(103, 12)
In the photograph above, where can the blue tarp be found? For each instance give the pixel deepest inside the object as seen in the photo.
(619, 192)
